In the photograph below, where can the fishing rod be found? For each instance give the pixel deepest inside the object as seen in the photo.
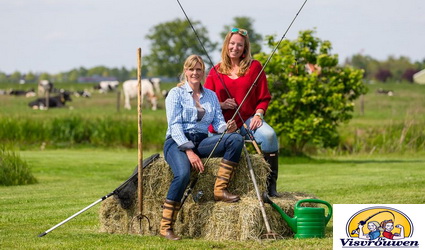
(117, 191)
(362, 222)
(193, 183)
(251, 137)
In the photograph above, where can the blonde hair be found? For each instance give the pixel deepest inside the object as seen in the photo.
(378, 227)
(226, 64)
(190, 63)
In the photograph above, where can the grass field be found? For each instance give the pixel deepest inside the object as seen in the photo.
(71, 179)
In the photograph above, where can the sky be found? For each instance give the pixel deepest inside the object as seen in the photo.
(59, 35)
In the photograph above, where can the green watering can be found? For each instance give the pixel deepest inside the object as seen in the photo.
(308, 222)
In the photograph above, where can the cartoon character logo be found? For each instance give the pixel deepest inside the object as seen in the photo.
(378, 223)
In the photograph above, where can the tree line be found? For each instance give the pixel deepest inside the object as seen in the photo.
(172, 42)
(395, 69)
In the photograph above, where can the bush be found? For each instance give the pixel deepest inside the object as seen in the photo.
(13, 170)
(311, 95)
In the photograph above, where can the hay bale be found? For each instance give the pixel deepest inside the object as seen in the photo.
(158, 176)
(205, 218)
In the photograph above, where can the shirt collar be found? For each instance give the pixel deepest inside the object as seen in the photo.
(190, 90)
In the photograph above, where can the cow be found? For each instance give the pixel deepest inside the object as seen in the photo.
(155, 82)
(44, 86)
(54, 102)
(26, 93)
(82, 93)
(130, 88)
(106, 86)
(385, 92)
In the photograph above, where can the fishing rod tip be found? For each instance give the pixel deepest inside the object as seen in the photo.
(41, 235)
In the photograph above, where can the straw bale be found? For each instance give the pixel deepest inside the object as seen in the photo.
(158, 176)
(205, 218)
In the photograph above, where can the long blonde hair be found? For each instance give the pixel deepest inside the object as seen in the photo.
(226, 64)
(190, 63)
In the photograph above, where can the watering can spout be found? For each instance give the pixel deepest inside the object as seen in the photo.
(308, 222)
(292, 222)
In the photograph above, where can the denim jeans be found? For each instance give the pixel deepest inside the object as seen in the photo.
(265, 136)
(230, 148)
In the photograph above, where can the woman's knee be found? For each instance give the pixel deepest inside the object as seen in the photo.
(236, 140)
(266, 134)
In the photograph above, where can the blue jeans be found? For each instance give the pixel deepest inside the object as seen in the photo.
(265, 136)
(230, 148)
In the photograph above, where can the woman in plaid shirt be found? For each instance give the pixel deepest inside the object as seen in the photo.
(191, 109)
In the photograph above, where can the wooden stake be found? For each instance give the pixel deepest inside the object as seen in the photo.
(140, 142)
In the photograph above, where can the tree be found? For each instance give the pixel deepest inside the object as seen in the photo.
(245, 23)
(383, 75)
(30, 77)
(390, 69)
(408, 75)
(3, 78)
(365, 62)
(15, 77)
(171, 43)
(125, 75)
(309, 107)
(44, 76)
(397, 66)
(73, 75)
(98, 71)
(83, 72)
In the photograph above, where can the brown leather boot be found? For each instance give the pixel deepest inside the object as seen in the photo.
(222, 182)
(169, 215)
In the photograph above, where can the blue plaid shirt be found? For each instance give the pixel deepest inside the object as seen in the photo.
(182, 114)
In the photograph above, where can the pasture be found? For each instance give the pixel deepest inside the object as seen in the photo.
(70, 180)
(388, 124)
(385, 164)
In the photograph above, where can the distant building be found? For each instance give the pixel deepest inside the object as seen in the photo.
(419, 77)
(86, 79)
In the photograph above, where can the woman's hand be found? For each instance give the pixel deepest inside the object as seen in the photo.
(255, 123)
(231, 126)
(229, 104)
(195, 161)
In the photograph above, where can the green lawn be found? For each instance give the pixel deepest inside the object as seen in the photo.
(70, 180)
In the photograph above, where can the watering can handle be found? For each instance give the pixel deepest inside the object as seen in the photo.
(318, 201)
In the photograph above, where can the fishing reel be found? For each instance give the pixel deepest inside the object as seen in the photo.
(197, 198)
(355, 231)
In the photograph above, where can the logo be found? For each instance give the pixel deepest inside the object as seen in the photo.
(377, 227)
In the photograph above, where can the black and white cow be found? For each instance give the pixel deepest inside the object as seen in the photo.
(385, 92)
(82, 93)
(53, 102)
(26, 93)
(44, 86)
(155, 83)
(107, 86)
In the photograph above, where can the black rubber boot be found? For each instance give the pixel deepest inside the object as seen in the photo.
(273, 160)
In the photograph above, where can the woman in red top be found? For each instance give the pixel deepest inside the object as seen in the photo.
(230, 80)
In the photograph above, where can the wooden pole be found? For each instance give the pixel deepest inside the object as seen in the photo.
(118, 100)
(140, 145)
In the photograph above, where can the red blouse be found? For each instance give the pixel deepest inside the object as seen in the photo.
(258, 98)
